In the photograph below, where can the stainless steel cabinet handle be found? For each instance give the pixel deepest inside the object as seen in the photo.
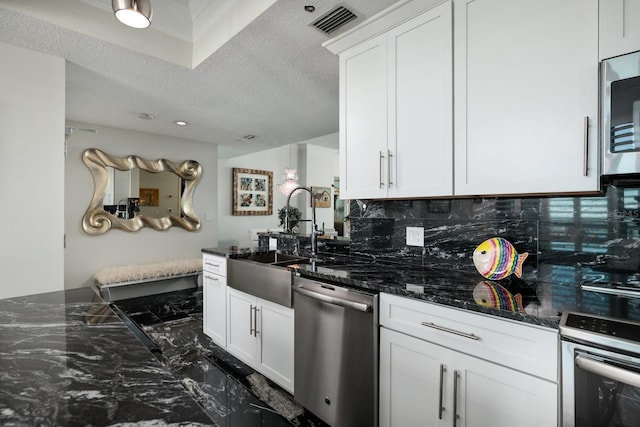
(440, 407)
(586, 146)
(380, 168)
(255, 321)
(451, 331)
(455, 398)
(609, 371)
(335, 301)
(212, 278)
(389, 156)
(213, 264)
(251, 328)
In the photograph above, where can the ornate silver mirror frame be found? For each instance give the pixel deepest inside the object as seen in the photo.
(98, 221)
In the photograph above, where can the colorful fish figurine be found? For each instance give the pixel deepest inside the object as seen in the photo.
(496, 259)
(494, 295)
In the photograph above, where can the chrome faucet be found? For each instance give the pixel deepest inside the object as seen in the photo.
(314, 226)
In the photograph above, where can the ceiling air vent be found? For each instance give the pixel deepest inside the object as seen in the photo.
(334, 19)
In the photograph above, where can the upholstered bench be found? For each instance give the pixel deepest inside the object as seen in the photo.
(130, 281)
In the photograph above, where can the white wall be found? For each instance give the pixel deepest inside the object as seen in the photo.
(235, 230)
(311, 171)
(32, 108)
(85, 255)
(322, 167)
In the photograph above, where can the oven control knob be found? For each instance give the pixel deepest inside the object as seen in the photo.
(327, 401)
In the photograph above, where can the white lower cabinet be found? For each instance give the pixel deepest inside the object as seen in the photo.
(410, 381)
(426, 384)
(214, 307)
(214, 289)
(490, 395)
(430, 381)
(260, 333)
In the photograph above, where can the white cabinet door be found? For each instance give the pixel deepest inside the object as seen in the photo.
(526, 80)
(260, 333)
(214, 307)
(241, 341)
(420, 106)
(276, 338)
(363, 120)
(489, 395)
(396, 111)
(411, 387)
(619, 27)
(479, 393)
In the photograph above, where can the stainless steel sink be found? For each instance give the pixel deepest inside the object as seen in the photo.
(272, 257)
(264, 275)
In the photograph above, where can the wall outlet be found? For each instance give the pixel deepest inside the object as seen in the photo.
(415, 236)
(416, 289)
(273, 243)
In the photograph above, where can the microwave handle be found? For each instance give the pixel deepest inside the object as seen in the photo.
(586, 145)
(609, 371)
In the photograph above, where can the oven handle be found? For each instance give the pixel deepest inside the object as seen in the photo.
(609, 371)
(335, 301)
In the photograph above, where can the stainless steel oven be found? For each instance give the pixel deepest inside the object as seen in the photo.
(600, 371)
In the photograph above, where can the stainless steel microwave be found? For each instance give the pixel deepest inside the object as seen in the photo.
(620, 109)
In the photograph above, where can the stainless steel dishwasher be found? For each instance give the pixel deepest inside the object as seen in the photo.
(336, 352)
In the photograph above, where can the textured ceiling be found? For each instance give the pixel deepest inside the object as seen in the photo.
(272, 79)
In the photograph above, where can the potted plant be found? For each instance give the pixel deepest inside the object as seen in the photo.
(294, 217)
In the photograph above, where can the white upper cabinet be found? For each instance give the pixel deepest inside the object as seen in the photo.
(499, 99)
(526, 96)
(420, 106)
(396, 104)
(363, 120)
(619, 27)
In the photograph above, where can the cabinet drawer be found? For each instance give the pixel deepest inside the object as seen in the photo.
(214, 264)
(214, 278)
(527, 348)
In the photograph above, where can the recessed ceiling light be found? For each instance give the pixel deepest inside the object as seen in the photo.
(309, 8)
(181, 123)
(146, 116)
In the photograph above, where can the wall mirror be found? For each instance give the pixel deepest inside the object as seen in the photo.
(131, 193)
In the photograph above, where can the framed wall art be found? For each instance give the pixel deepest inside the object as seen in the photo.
(252, 192)
(322, 195)
(149, 196)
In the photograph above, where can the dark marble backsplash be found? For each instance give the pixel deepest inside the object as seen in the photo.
(567, 238)
(601, 230)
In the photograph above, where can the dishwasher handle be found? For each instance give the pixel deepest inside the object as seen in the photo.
(359, 306)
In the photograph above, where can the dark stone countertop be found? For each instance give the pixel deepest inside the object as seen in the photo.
(554, 288)
(67, 360)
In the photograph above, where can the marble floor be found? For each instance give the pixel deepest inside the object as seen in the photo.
(231, 393)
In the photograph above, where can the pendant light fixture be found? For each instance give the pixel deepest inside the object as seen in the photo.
(134, 13)
(290, 178)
